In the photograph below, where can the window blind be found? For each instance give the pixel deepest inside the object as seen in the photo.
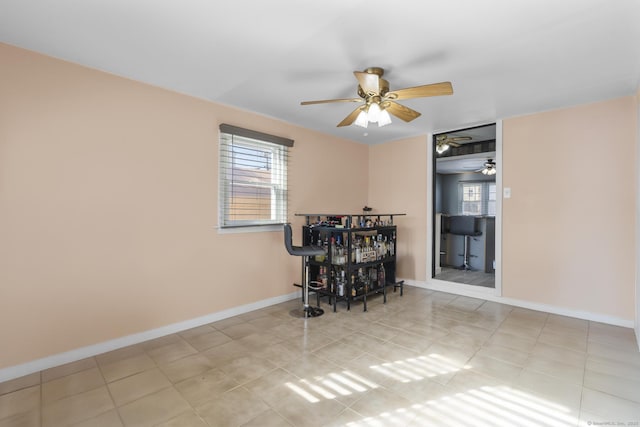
(253, 177)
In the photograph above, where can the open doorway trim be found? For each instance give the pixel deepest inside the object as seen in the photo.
(452, 287)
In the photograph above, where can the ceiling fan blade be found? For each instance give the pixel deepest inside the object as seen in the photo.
(350, 118)
(435, 89)
(326, 101)
(400, 111)
(370, 83)
(460, 138)
(453, 144)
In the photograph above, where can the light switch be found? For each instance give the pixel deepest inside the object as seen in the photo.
(507, 192)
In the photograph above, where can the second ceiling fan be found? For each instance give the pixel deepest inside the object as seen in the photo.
(378, 101)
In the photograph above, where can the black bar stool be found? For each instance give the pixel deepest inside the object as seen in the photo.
(305, 252)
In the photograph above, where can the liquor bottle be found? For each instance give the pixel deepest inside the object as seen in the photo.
(393, 244)
(382, 280)
(334, 252)
(353, 285)
(319, 258)
(341, 284)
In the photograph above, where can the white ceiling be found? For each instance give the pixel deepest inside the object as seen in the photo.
(503, 57)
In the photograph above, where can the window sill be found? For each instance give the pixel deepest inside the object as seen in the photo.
(250, 229)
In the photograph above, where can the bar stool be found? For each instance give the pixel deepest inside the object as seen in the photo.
(304, 252)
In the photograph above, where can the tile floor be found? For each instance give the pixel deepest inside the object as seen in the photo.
(468, 277)
(425, 359)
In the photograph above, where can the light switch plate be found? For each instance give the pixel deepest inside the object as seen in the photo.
(506, 192)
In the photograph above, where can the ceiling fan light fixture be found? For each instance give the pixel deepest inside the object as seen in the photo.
(374, 112)
(384, 118)
(362, 120)
(441, 147)
(489, 168)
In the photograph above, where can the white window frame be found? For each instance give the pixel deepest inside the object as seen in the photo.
(230, 137)
(485, 200)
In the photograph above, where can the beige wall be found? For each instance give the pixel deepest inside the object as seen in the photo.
(108, 207)
(398, 183)
(569, 227)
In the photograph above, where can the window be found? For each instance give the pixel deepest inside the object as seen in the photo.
(477, 198)
(253, 178)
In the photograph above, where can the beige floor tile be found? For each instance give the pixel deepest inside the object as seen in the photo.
(411, 341)
(517, 342)
(563, 393)
(136, 386)
(339, 352)
(380, 400)
(126, 367)
(610, 367)
(520, 329)
(160, 342)
(188, 419)
(225, 352)
(621, 387)
(466, 380)
(173, 351)
(20, 383)
(258, 341)
(560, 354)
(207, 340)
(71, 384)
(25, 419)
(286, 331)
(120, 354)
(310, 341)
(204, 387)
(277, 385)
(79, 407)
(108, 419)
(269, 418)
(19, 401)
(499, 369)
(309, 366)
(301, 412)
(194, 332)
(154, 408)
(464, 340)
(608, 407)
(572, 341)
(420, 391)
(247, 368)
(557, 369)
(605, 351)
(564, 322)
(187, 367)
(240, 330)
(505, 354)
(68, 369)
(226, 323)
(279, 354)
(234, 408)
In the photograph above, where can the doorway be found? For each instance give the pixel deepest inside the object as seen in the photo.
(465, 204)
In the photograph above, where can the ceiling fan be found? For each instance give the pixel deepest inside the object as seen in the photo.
(378, 101)
(443, 142)
(489, 168)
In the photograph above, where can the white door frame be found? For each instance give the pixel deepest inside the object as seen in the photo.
(453, 287)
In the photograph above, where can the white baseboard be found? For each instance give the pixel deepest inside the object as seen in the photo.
(18, 371)
(484, 293)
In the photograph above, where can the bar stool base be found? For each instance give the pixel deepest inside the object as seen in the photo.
(307, 312)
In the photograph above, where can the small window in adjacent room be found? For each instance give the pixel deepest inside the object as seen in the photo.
(253, 178)
(477, 198)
